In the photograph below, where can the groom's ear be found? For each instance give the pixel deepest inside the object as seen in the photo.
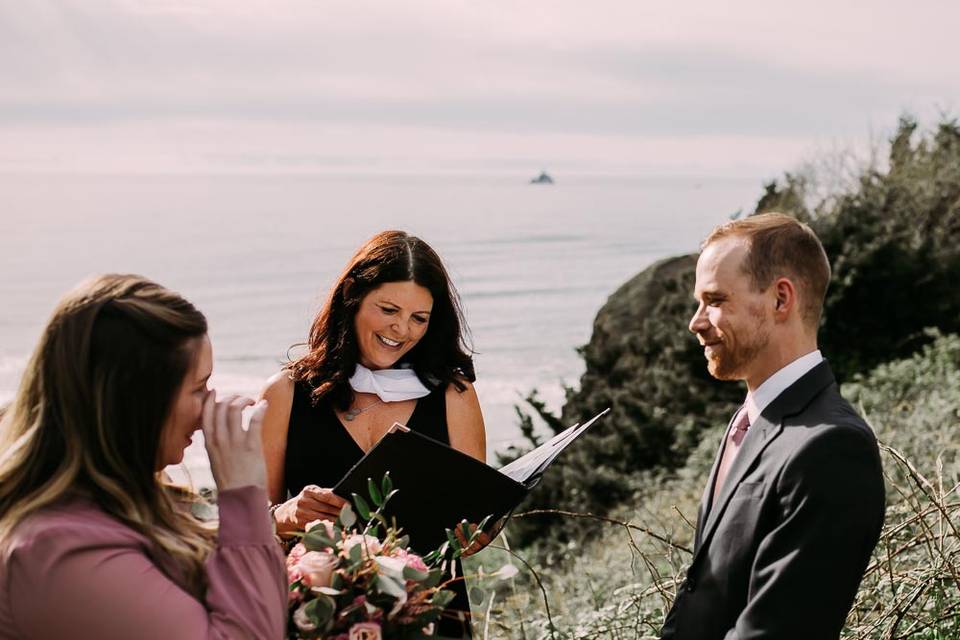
(785, 297)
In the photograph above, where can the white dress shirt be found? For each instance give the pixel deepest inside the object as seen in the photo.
(776, 384)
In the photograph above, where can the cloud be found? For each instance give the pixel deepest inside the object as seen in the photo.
(529, 74)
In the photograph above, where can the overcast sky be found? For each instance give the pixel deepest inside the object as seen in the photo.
(630, 87)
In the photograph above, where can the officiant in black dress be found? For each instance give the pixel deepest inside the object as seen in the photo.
(386, 347)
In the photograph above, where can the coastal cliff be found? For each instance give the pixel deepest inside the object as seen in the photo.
(645, 365)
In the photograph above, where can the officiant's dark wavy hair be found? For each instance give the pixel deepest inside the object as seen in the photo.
(441, 357)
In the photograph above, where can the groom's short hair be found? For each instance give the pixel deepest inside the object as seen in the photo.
(782, 246)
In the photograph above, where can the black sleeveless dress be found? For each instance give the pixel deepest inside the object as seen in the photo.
(320, 451)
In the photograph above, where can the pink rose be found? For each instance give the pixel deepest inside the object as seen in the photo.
(317, 568)
(416, 562)
(293, 560)
(371, 545)
(295, 554)
(365, 631)
(411, 560)
(293, 574)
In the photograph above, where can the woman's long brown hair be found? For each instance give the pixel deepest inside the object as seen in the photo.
(442, 356)
(89, 413)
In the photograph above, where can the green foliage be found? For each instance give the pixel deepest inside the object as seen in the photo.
(526, 425)
(894, 245)
(893, 238)
(789, 197)
(621, 582)
(914, 406)
(360, 576)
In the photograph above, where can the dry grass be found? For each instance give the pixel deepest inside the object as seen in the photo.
(620, 584)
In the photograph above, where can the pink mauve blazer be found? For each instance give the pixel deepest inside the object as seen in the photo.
(72, 571)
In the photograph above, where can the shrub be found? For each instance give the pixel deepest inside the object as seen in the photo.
(893, 238)
(620, 583)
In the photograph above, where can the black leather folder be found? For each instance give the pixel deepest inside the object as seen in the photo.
(438, 487)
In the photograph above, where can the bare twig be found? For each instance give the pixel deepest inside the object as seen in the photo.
(536, 577)
(593, 516)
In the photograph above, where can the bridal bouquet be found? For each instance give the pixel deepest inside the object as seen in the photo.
(356, 578)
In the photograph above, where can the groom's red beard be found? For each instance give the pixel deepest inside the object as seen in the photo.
(725, 363)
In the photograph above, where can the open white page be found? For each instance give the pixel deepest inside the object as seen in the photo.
(534, 462)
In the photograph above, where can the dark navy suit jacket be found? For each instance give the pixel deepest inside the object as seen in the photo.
(782, 552)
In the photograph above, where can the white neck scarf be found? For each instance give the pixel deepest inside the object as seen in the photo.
(390, 385)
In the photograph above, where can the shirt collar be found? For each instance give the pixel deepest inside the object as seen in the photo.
(776, 384)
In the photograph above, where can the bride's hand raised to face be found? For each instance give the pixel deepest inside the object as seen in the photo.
(313, 503)
(236, 456)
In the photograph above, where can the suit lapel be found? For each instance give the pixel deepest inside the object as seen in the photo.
(705, 505)
(758, 437)
(768, 426)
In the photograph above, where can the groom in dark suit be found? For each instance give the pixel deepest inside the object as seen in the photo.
(795, 500)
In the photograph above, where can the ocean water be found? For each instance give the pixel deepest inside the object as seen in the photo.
(257, 253)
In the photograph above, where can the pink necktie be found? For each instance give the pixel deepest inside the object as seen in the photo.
(735, 436)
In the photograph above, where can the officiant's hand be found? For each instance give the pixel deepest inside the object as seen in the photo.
(479, 541)
(313, 503)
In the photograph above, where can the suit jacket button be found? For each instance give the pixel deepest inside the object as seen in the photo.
(690, 585)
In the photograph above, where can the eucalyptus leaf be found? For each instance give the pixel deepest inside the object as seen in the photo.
(375, 496)
(363, 509)
(316, 540)
(434, 578)
(442, 598)
(386, 485)
(321, 609)
(356, 553)
(347, 517)
(483, 523)
(410, 573)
